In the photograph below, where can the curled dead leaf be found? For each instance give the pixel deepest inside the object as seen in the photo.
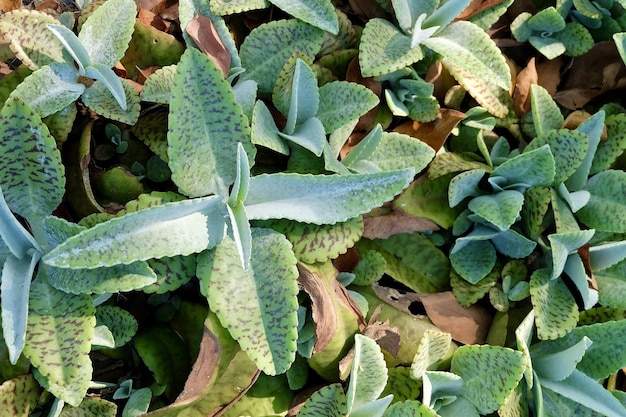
(433, 133)
(477, 6)
(204, 34)
(525, 78)
(395, 222)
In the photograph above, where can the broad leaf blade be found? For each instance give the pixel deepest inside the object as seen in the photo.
(59, 333)
(329, 401)
(556, 311)
(342, 102)
(546, 113)
(107, 31)
(606, 209)
(113, 279)
(16, 239)
(205, 125)
(501, 209)
(368, 375)
(72, 45)
(569, 148)
(111, 81)
(178, 228)
(321, 199)
(19, 395)
(318, 13)
(99, 98)
(245, 301)
(32, 176)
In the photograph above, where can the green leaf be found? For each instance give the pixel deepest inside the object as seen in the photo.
(464, 185)
(225, 7)
(546, 113)
(342, 102)
(593, 128)
(14, 288)
(264, 130)
(321, 199)
(473, 260)
(329, 401)
(384, 49)
(407, 12)
(409, 408)
(365, 148)
(399, 151)
(562, 244)
(569, 148)
(611, 284)
(320, 14)
(317, 243)
(614, 145)
(432, 347)
(28, 37)
(172, 273)
(576, 38)
(89, 407)
(16, 239)
(482, 387)
(32, 175)
(245, 301)
(439, 385)
(469, 47)
(556, 311)
(72, 45)
(284, 89)
(178, 228)
(368, 375)
(120, 322)
(59, 333)
(554, 364)
(467, 293)
(19, 395)
(205, 125)
(370, 268)
(266, 49)
(50, 89)
(606, 209)
(117, 278)
(547, 20)
(304, 98)
(445, 13)
(512, 244)
(310, 135)
(107, 31)
(620, 42)
(532, 168)
(99, 98)
(110, 80)
(501, 209)
(158, 86)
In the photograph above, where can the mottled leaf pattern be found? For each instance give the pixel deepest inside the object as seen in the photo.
(245, 301)
(151, 129)
(473, 260)
(409, 408)
(569, 148)
(269, 46)
(318, 13)
(501, 209)
(91, 407)
(59, 333)
(18, 396)
(546, 113)
(158, 86)
(205, 125)
(368, 375)
(30, 40)
(329, 401)
(467, 293)
(485, 388)
(321, 199)
(606, 209)
(178, 228)
(399, 151)
(107, 31)
(225, 7)
(99, 99)
(556, 311)
(317, 243)
(614, 145)
(32, 175)
(534, 167)
(171, 272)
(342, 102)
(433, 347)
(401, 384)
(120, 322)
(370, 268)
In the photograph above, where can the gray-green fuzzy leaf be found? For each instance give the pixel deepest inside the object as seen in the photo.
(556, 311)
(533, 168)
(322, 199)
(107, 31)
(329, 401)
(546, 113)
(569, 148)
(342, 102)
(98, 97)
(205, 125)
(469, 47)
(245, 301)
(606, 209)
(117, 278)
(501, 209)
(431, 349)
(318, 13)
(473, 260)
(613, 146)
(32, 175)
(368, 375)
(59, 333)
(178, 228)
(267, 48)
(172, 273)
(592, 127)
(158, 86)
(399, 151)
(120, 322)
(264, 130)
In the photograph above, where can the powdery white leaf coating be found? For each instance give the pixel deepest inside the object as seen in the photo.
(99, 99)
(342, 102)
(258, 306)
(368, 375)
(322, 199)
(107, 31)
(318, 13)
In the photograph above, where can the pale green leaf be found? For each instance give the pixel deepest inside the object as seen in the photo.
(19, 395)
(32, 175)
(245, 303)
(72, 45)
(205, 125)
(368, 375)
(370, 268)
(242, 181)
(329, 401)
(365, 148)
(432, 347)
(486, 389)
(569, 148)
(322, 199)
(556, 311)
(317, 243)
(342, 102)
(374, 408)
(464, 185)
(445, 13)
(399, 151)
(303, 102)
(467, 293)
(225, 7)
(59, 333)
(576, 38)
(409, 408)
(28, 37)
(112, 279)
(283, 92)
(172, 273)
(553, 362)
(562, 244)
(99, 98)
(606, 209)
(158, 86)
(620, 42)
(611, 285)
(384, 49)
(178, 228)
(614, 145)
(120, 322)
(50, 89)
(318, 13)
(264, 130)
(107, 31)
(266, 49)
(545, 111)
(548, 46)
(547, 20)
(593, 128)
(407, 12)
(310, 135)
(512, 244)
(90, 407)
(16, 239)
(532, 168)
(440, 385)
(501, 209)
(473, 260)
(151, 129)
(487, 18)
(608, 254)
(469, 47)
(240, 227)
(111, 81)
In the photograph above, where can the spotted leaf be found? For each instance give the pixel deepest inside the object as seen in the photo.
(606, 209)
(225, 7)
(171, 273)
(556, 311)
(158, 86)
(501, 209)
(328, 401)
(368, 375)
(205, 125)
(245, 301)
(614, 145)
(545, 111)
(341, 102)
(99, 98)
(19, 395)
(120, 322)
(569, 148)
(409, 408)
(432, 347)
(91, 406)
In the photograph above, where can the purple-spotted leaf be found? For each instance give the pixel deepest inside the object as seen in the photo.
(151, 129)
(384, 49)
(226, 7)
(606, 209)
(28, 37)
(98, 97)
(501, 209)
(402, 385)
(32, 175)
(91, 406)
(205, 125)
(171, 272)
(368, 376)
(318, 13)
(177, 228)
(342, 102)
(473, 259)
(467, 293)
(593, 128)
(329, 401)
(19, 395)
(107, 31)
(370, 268)
(120, 322)
(433, 347)
(569, 148)
(487, 390)
(409, 408)
(614, 145)
(59, 333)
(556, 311)
(245, 301)
(317, 243)
(322, 199)
(158, 86)
(266, 49)
(399, 151)
(546, 113)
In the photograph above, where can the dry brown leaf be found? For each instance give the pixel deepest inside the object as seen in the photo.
(549, 73)
(525, 78)
(583, 252)
(466, 325)
(477, 6)
(347, 261)
(204, 34)
(395, 222)
(202, 371)
(9, 5)
(436, 132)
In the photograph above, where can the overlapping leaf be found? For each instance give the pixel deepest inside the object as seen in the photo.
(19, 395)
(569, 148)
(556, 311)
(317, 13)
(100, 99)
(342, 102)
(328, 401)
(606, 209)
